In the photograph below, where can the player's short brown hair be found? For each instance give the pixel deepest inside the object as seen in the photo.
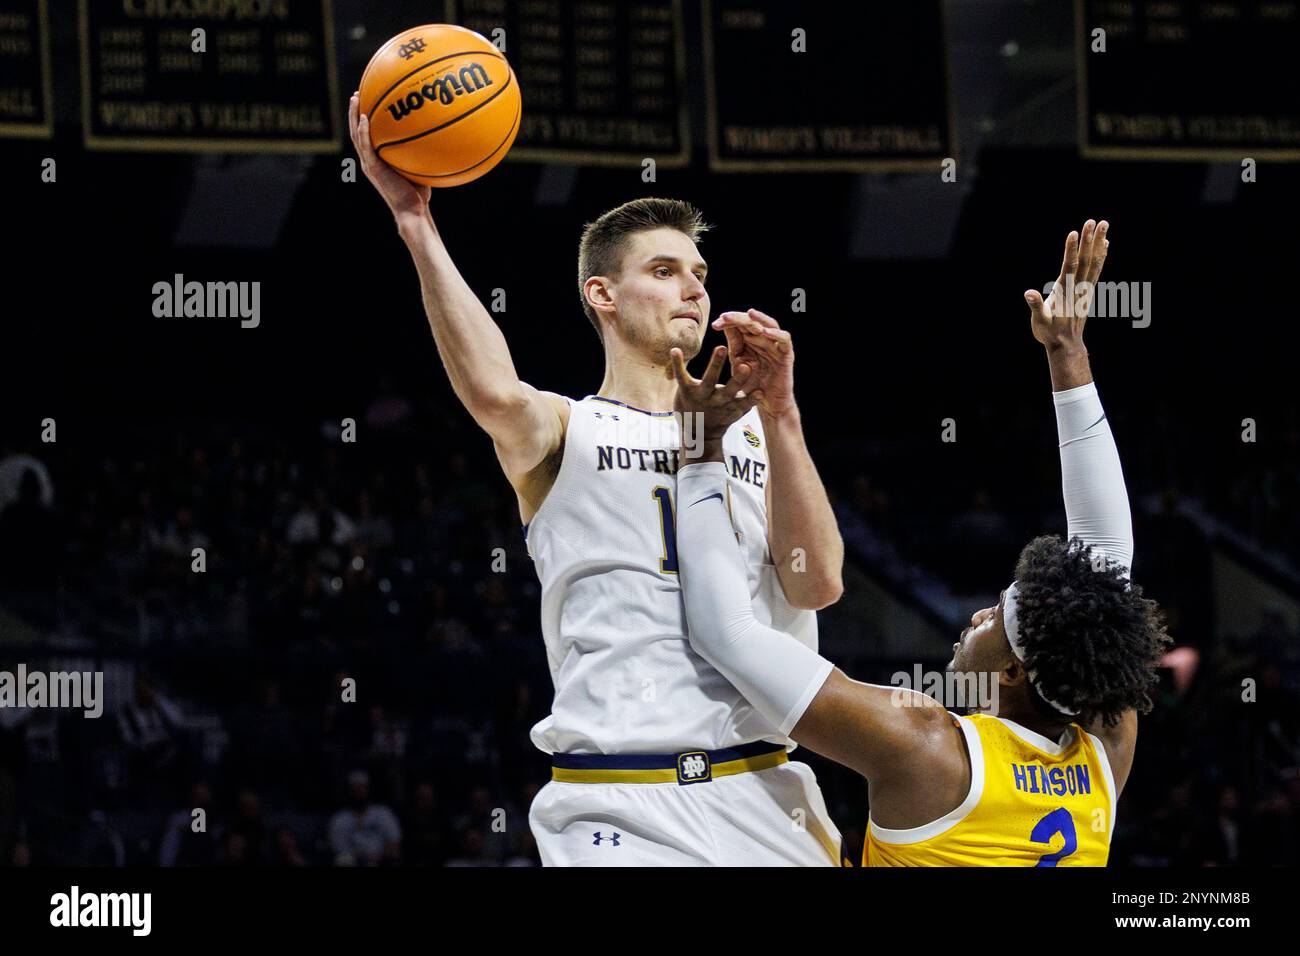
(600, 253)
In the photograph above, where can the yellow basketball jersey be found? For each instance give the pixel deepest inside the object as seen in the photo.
(1032, 802)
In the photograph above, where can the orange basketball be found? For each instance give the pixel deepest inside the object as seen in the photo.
(443, 104)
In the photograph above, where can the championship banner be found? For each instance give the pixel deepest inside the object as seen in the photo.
(209, 75)
(603, 82)
(26, 101)
(1182, 79)
(813, 87)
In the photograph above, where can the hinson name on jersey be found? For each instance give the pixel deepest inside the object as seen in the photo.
(604, 546)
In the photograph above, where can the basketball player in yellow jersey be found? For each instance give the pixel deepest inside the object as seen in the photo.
(1071, 647)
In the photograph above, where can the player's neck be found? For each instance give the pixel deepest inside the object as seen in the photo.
(639, 382)
(1031, 720)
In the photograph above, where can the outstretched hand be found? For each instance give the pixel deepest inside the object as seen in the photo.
(717, 406)
(402, 195)
(755, 339)
(1058, 322)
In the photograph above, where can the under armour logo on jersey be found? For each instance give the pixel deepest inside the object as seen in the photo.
(693, 768)
(612, 839)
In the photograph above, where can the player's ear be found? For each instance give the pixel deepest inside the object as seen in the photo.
(599, 291)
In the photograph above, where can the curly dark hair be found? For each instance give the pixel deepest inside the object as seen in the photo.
(1090, 638)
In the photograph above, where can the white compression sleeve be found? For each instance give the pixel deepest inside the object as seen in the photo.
(772, 669)
(1096, 501)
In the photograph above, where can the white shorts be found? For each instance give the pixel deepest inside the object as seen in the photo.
(773, 817)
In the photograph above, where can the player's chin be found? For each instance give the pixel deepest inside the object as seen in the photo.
(688, 339)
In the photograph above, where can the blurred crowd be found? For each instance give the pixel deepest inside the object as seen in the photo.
(326, 652)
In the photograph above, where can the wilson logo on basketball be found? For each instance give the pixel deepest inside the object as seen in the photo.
(445, 89)
(445, 116)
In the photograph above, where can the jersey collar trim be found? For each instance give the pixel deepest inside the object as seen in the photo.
(630, 408)
(1045, 744)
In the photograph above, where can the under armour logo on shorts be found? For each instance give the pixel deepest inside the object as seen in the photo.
(599, 838)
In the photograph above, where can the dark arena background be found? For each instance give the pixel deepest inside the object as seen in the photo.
(887, 193)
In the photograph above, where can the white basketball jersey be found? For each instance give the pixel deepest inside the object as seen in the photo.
(626, 679)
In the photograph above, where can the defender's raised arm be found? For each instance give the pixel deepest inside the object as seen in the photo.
(1092, 481)
(800, 692)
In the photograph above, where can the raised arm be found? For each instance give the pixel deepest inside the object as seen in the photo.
(1092, 481)
(526, 425)
(895, 737)
(802, 532)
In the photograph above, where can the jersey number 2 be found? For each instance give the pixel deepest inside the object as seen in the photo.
(667, 529)
(1058, 821)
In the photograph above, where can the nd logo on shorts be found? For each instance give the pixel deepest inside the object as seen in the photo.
(694, 768)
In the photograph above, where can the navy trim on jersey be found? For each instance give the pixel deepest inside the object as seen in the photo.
(631, 408)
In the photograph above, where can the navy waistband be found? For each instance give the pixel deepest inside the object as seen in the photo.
(658, 761)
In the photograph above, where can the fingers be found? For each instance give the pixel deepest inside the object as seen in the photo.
(754, 329)
(1087, 237)
(762, 343)
(1099, 246)
(735, 340)
(774, 342)
(742, 374)
(1054, 304)
(678, 362)
(737, 403)
(359, 127)
(365, 148)
(1070, 262)
(735, 320)
(714, 370)
(355, 119)
(751, 320)
(1040, 312)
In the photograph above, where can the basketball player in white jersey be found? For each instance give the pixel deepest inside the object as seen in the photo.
(657, 759)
